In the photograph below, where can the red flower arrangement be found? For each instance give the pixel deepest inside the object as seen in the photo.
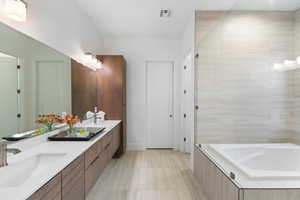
(70, 120)
(48, 121)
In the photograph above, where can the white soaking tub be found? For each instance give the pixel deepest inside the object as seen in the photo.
(263, 160)
(258, 165)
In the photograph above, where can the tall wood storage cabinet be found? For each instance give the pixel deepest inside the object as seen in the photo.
(105, 89)
(112, 91)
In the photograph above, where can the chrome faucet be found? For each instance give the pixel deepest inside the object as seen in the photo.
(3, 153)
(95, 115)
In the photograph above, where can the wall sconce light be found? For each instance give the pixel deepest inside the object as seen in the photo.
(91, 61)
(16, 10)
(287, 65)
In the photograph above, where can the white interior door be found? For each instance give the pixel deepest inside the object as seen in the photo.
(51, 95)
(9, 97)
(159, 97)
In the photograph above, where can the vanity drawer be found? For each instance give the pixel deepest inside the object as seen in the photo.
(73, 180)
(93, 172)
(74, 190)
(107, 140)
(92, 153)
(116, 138)
(72, 170)
(50, 191)
(108, 153)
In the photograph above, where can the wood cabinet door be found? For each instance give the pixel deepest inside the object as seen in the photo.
(92, 174)
(50, 191)
(92, 153)
(112, 90)
(116, 138)
(76, 191)
(73, 180)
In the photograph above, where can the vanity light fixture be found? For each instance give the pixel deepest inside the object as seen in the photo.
(91, 61)
(16, 10)
(287, 65)
(99, 64)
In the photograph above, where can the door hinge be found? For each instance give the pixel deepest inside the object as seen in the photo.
(197, 107)
(184, 139)
(19, 91)
(184, 115)
(18, 66)
(197, 55)
(18, 115)
(184, 67)
(184, 91)
(232, 175)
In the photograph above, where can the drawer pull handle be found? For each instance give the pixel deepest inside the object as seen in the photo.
(107, 146)
(94, 160)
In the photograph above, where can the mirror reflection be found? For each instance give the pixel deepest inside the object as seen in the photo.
(9, 96)
(41, 85)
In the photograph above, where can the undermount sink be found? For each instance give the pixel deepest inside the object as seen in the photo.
(17, 173)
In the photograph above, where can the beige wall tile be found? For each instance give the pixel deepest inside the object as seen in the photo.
(241, 99)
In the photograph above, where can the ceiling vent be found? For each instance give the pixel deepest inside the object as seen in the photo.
(165, 13)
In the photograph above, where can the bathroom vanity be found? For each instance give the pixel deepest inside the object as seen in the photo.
(59, 170)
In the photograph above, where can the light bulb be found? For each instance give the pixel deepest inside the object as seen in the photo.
(94, 61)
(289, 63)
(278, 67)
(298, 60)
(99, 64)
(16, 10)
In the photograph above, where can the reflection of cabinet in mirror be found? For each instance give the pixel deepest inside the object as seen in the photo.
(84, 89)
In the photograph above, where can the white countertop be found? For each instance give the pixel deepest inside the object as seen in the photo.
(69, 151)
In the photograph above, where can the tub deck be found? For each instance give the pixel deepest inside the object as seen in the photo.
(237, 171)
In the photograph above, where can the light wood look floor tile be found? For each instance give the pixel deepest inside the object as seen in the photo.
(147, 175)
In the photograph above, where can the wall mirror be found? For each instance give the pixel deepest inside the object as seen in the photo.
(34, 80)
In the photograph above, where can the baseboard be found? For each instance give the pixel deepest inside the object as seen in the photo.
(135, 147)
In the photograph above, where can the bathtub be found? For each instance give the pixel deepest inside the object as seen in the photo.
(262, 161)
(248, 171)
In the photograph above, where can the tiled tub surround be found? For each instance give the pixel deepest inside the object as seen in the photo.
(294, 121)
(248, 171)
(55, 172)
(240, 98)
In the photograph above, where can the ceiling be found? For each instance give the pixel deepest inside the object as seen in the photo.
(140, 18)
(2, 55)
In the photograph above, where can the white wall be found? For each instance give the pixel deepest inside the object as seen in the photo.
(137, 51)
(59, 24)
(187, 39)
